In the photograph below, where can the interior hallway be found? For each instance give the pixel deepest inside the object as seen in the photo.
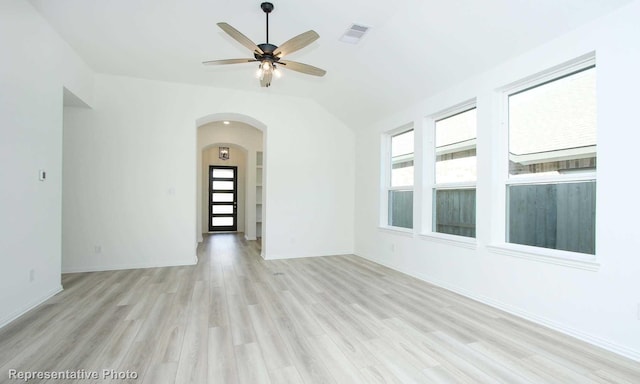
(237, 318)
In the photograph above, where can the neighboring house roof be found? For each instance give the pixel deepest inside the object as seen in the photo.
(456, 129)
(554, 121)
(557, 119)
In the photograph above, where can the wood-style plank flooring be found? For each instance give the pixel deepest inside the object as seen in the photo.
(235, 318)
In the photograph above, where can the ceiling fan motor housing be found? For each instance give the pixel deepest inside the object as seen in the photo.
(268, 50)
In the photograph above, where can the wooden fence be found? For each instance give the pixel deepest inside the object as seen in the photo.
(455, 212)
(401, 209)
(558, 216)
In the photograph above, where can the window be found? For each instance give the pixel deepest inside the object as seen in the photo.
(454, 192)
(551, 186)
(400, 190)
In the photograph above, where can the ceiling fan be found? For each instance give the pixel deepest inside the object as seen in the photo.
(269, 55)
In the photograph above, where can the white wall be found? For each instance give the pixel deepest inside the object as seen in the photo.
(35, 66)
(598, 306)
(132, 174)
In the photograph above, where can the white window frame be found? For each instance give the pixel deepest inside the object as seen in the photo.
(386, 168)
(499, 234)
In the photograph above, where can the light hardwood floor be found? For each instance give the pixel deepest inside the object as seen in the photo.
(235, 318)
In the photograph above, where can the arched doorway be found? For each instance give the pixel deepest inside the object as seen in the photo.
(246, 137)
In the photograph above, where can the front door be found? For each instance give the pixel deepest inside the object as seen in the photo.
(223, 198)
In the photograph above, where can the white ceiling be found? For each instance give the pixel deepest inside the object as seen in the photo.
(414, 49)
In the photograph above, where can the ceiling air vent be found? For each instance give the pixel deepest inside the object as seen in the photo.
(354, 34)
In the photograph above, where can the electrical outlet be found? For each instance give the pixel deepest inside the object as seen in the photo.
(32, 275)
(97, 248)
(393, 247)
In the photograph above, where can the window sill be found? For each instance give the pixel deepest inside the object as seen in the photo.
(549, 256)
(458, 241)
(397, 231)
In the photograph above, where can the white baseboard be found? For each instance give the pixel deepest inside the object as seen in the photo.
(117, 267)
(29, 306)
(586, 337)
(281, 257)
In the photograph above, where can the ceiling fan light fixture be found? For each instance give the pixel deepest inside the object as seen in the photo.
(265, 67)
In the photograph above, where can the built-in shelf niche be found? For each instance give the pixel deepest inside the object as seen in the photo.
(259, 176)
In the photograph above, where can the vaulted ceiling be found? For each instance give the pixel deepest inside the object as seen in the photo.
(414, 49)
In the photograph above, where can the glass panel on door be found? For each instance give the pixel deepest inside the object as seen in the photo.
(222, 173)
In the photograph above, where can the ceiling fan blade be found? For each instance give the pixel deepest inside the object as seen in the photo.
(240, 38)
(304, 68)
(228, 61)
(296, 43)
(265, 80)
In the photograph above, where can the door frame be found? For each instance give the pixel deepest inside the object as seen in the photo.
(231, 228)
